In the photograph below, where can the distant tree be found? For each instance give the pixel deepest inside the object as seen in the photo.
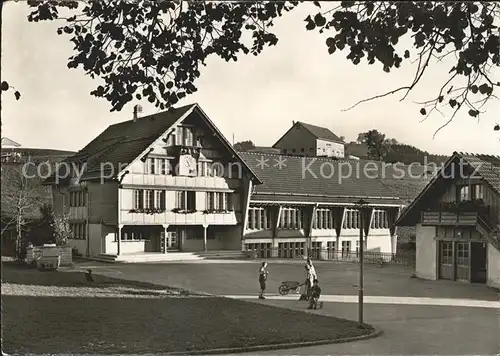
(342, 138)
(244, 146)
(154, 49)
(392, 141)
(22, 197)
(377, 145)
(361, 137)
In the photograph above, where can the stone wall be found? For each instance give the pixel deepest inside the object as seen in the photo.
(32, 253)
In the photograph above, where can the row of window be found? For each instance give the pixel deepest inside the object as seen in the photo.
(219, 201)
(292, 218)
(185, 135)
(470, 192)
(259, 219)
(324, 219)
(150, 199)
(77, 198)
(185, 200)
(379, 219)
(164, 166)
(78, 231)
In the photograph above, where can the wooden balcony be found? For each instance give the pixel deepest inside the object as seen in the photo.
(442, 218)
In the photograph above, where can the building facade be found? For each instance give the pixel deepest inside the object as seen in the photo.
(311, 141)
(309, 204)
(167, 182)
(457, 219)
(172, 182)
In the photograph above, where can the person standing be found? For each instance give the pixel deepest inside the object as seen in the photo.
(311, 276)
(263, 273)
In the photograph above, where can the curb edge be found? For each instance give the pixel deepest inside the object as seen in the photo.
(375, 333)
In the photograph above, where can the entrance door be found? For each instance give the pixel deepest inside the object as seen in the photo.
(478, 262)
(463, 258)
(172, 241)
(446, 260)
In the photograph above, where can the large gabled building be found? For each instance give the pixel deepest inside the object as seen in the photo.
(457, 219)
(304, 139)
(169, 181)
(172, 182)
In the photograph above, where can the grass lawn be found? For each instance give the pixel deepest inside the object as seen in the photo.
(61, 324)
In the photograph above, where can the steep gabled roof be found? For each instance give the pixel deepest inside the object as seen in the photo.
(321, 133)
(120, 144)
(486, 167)
(294, 182)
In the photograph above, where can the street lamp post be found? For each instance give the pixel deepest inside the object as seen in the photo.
(360, 205)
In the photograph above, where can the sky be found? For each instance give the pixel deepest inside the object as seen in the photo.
(255, 98)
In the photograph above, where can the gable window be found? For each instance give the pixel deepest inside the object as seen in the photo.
(186, 200)
(150, 199)
(138, 199)
(478, 191)
(160, 196)
(210, 200)
(150, 166)
(188, 136)
(463, 193)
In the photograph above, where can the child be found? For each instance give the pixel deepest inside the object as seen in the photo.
(263, 273)
(315, 294)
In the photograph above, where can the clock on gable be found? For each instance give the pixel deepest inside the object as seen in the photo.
(187, 165)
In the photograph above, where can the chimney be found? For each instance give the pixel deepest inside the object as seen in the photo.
(293, 123)
(137, 110)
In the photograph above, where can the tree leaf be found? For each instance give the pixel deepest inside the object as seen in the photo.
(423, 111)
(310, 24)
(319, 20)
(4, 86)
(17, 95)
(473, 112)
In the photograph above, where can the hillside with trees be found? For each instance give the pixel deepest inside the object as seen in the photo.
(374, 145)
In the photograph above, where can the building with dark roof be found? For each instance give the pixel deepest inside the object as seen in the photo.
(304, 139)
(457, 219)
(172, 182)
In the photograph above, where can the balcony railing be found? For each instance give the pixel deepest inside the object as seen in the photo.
(464, 213)
(435, 218)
